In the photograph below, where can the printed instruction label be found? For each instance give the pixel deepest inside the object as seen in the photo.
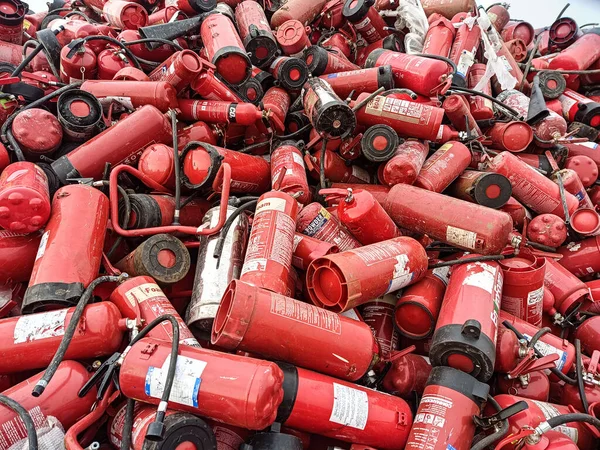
(383, 252)
(350, 407)
(305, 313)
(428, 426)
(186, 385)
(143, 292)
(547, 349)
(549, 412)
(40, 326)
(460, 237)
(43, 244)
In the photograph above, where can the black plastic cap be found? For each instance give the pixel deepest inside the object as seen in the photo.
(487, 185)
(227, 51)
(274, 441)
(251, 91)
(567, 39)
(356, 10)
(294, 121)
(379, 143)
(292, 74)
(215, 164)
(77, 127)
(265, 79)
(183, 427)
(14, 19)
(261, 42)
(316, 59)
(202, 6)
(385, 77)
(147, 259)
(552, 84)
(393, 43)
(583, 130)
(335, 120)
(64, 169)
(146, 209)
(459, 80)
(155, 431)
(290, 391)
(460, 382)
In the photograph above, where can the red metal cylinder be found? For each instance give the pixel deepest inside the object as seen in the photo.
(141, 298)
(276, 102)
(578, 56)
(315, 221)
(573, 185)
(78, 223)
(179, 70)
(12, 15)
(120, 144)
(24, 198)
(225, 49)
(336, 169)
(463, 52)
(140, 50)
(247, 397)
(211, 88)
(481, 108)
(214, 111)
(419, 305)
(322, 62)
(566, 288)
(97, 334)
(530, 187)
(109, 64)
(258, 321)
(317, 403)
(255, 32)
(299, 10)
(17, 255)
(534, 385)
(392, 42)
(511, 136)
(134, 94)
(407, 374)
(518, 30)
(589, 334)
(465, 225)
(458, 111)
(345, 280)
(445, 415)
(288, 173)
(499, 16)
(465, 332)
(81, 66)
(37, 131)
(365, 19)
(578, 108)
(442, 168)
(439, 37)
(363, 80)
(581, 258)
(523, 289)
(60, 401)
(292, 38)
(125, 15)
(446, 8)
(269, 255)
(405, 165)
(378, 314)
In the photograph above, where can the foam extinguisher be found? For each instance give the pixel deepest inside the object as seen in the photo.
(363, 80)
(270, 247)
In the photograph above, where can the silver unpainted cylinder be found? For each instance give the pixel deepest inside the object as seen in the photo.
(211, 281)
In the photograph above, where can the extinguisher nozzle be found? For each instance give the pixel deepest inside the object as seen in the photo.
(156, 431)
(38, 389)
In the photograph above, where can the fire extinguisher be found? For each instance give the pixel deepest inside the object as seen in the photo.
(255, 32)
(589, 334)
(12, 21)
(336, 169)
(181, 429)
(363, 80)
(179, 70)
(82, 65)
(405, 165)
(60, 401)
(465, 332)
(134, 94)
(225, 48)
(322, 340)
(33, 144)
(378, 314)
(578, 108)
(358, 211)
(79, 113)
(445, 415)
(292, 38)
(17, 255)
(209, 87)
(465, 225)
(568, 290)
(269, 255)
(298, 10)
(439, 37)
(533, 385)
(214, 111)
(578, 56)
(247, 397)
(141, 298)
(213, 274)
(573, 185)
(391, 42)
(484, 188)
(288, 173)
(317, 403)
(153, 210)
(78, 222)
(345, 280)
(465, 46)
(202, 162)
(24, 198)
(120, 144)
(365, 19)
(408, 374)
(581, 258)
(458, 111)
(125, 15)
(315, 221)
(276, 103)
(481, 107)
(290, 72)
(100, 333)
(321, 61)
(443, 167)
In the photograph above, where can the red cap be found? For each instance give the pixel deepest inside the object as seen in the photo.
(547, 229)
(585, 221)
(585, 167)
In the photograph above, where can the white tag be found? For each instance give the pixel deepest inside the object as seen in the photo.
(40, 326)
(350, 407)
(186, 384)
(42, 247)
(460, 237)
(271, 204)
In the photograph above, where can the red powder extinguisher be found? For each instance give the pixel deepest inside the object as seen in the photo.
(78, 222)
(465, 46)
(407, 375)
(345, 280)
(317, 403)
(134, 94)
(214, 111)
(365, 19)
(258, 321)
(255, 32)
(481, 108)
(363, 80)
(82, 65)
(247, 397)
(270, 246)
(405, 165)
(458, 111)
(209, 87)
(336, 169)
(315, 221)
(568, 290)
(378, 314)
(445, 415)
(288, 173)
(581, 258)
(17, 255)
(465, 332)
(578, 108)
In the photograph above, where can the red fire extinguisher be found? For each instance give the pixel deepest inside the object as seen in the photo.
(345, 280)
(581, 258)
(363, 80)
(463, 52)
(317, 403)
(458, 111)
(578, 108)
(288, 173)
(465, 332)
(247, 397)
(214, 111)
(153, 210)
(134, 94)
(568, 291)
(378, 314)
(209, 87)
(336, 169)
(445, 414)
(365, 19)
(33, 144)
(78, 222)
(315, 221)
(125, 15)
(442, 168)
(179, 69)
(81, 66)
(408, 374)
(439, 37)
(322, 62)
(578, 56)
(255, 32)
(17, 255)
(258, 321)
(481, 108)
(405, 165)
(270, 247)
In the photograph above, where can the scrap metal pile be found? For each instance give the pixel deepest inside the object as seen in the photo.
(312, 224)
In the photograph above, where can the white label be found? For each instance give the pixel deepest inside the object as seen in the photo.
(460, 237)
(535, 297)
(271, 204)
(123, 101)
(186, 384)
(591, 145)
(297, 158)
(297, 240)
(43, 244)
(442, 273)
(350, 407)
(549, 412)
(547, 349)
(483, 279)
(40, 326)
(506, 63)
(402, 276)
(143, 292)
(465, 61)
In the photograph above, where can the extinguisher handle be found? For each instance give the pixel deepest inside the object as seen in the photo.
(101, 377)
(490, 421)
(334, 193)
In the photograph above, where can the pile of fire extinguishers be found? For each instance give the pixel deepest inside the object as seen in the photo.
(318, 225)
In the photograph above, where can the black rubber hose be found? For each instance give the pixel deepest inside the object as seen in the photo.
(573, 417)
(322, 181)
(25, 417)
(439, 58)
(69, 332)
(127, 425)
(27, 60)
(177, 168)
(223, 234)
(514, 112)
(298, 132)
(252, 147)
(175, 45)
(496, 436)
(536, 337)
(579, 374)
(132, 58)
(467, 260)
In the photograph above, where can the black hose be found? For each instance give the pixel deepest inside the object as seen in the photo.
(125, 222)
(25, 417)
(468, 260)
(176, 169)
(562, 11)
(496, 436)
(69, 332)
(223, 234)
(175, 45)
(439, 58)
(322, 181)
(514, 112)
(536, 337)
(573, 417)
(132, 58)
(539, 354)
(27, 60)
(579, 374)
(127, 425)
(298, 132)
(252, 147)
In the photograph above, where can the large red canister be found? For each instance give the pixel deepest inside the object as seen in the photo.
(463, 224)
(578, 56)
(566, 288)
(255, 32)
(481, 108)
(581, 258)
(523, 290)
(315, 221)
(288, 173)
(466, 329)
(270, 246)
(445, 415)
(134, 94)
(378, 314)
(442, 168)
(365, 19)
(530, 187)
(125, 15)
(78, 223)
(225, 49)
(24, 198)
(405, 165)
(98, 333)
(208, 86)
(258, 321)
(578, 108)
(419, 74)
(179, 69)
(247, 397)
(321, 61)
(463, 52)
(60, 400)
(363, 80)
(345, 280)
(439, 37)
(17, 255)
(319, 404)
(120, 144)
(12, 15)
(408, 374)
(215, 111)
